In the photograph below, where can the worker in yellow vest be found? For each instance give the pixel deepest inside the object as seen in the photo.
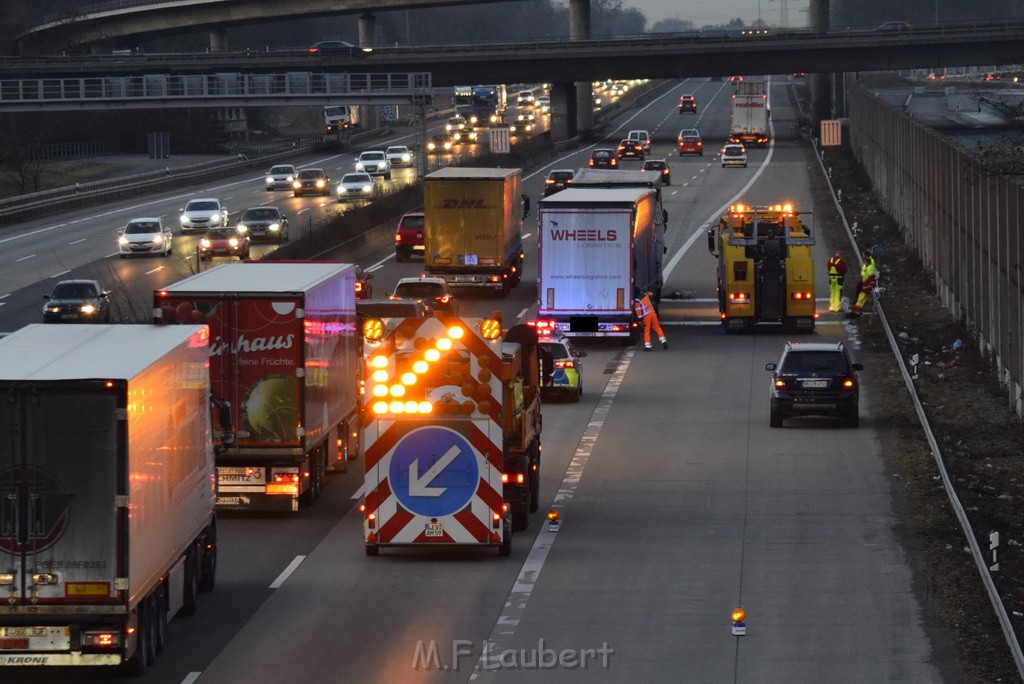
(868, 282)
(836, 275)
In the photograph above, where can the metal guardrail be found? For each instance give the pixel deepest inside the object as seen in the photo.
(69, 197)
(171, 89)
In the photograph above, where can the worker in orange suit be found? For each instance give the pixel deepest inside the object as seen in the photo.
(645, 313)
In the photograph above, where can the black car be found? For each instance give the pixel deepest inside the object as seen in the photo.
(364, 288)
(77, 301)
(631, 148)
(264, 223)
(558, 179)
(435, 292)
(815, 379)
(311, 182)
(603, 158)
(335, 48)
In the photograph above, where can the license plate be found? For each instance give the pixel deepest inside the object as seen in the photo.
(240, 474)
(433, 530)
(814, 384)
(69, 315)
(23, 631)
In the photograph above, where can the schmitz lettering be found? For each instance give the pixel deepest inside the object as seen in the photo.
(465, 204)
(243, 345)
(585, 235)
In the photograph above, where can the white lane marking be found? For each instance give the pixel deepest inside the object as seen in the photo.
(359, 492)
(191, 677)
(522, 313)
(380, 263)
(158, 268)
(77, 241)
(287, 572)
(504, 629)
(5, 296)
(678, 256)
(111, 256)
(305, 209)
(526, 235)
(58, 275)
(30, 256)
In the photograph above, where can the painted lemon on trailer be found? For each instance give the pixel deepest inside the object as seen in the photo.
(270, 411)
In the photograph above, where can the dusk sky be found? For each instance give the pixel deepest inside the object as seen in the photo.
(702, 12)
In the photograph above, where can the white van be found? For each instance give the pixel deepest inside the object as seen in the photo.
(644, 137)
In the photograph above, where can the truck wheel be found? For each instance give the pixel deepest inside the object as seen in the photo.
(535, 476)
(139, 662)
(505, 289)
(520, 516)
(208, 560)
(506, 543)
(150, 629)
(372, 550)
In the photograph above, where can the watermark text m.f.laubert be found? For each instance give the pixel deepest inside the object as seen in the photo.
(428, 655)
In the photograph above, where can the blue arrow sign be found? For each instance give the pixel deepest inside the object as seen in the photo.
(434, 471)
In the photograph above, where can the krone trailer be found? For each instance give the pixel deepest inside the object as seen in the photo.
(596, 246)
(284, 356)
(473, 227)
(107, 527)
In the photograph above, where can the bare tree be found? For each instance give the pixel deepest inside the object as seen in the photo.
(19, 167)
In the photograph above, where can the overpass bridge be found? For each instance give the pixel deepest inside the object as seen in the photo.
(60, 82)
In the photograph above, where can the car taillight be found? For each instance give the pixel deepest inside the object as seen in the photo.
(564, 364)
(591, 162)
(443, 299)
(664, 172)
(615, 162)
(849, 384)
(549, 181)
(780, 383)
(359, 286)
(398, 237)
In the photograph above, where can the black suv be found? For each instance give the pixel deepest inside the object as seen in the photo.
(311, 181)
(816, 379)
(558, 179)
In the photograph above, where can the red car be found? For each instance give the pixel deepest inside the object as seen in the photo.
(409, 236)
(691, 144)
(227, 241)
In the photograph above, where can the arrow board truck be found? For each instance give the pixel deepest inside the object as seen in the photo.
(452, 432)
(596, 246)
(107, 526)
(750, 112)
(284, 354)
(473, 230)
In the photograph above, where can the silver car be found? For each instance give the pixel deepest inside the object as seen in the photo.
(280, 177)
(734, 155)
(399, 155)
(199, 215)
(144, 236)
(375, 163)
(356, 186)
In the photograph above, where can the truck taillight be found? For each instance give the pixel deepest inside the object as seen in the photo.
(803, 295)
(739, 297)
(286, 484)
(101, 638)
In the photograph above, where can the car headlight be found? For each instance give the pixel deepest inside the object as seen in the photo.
(342, 190)
(88, 308)
(51, 309)
(406, 157)
(204, 243)
(215, 220)
(367, 188)
(242, 229)
(122, 240)
(270, 179)
(296, 184)
(290, 178)
(158, 240)
(183, 219)
(242, 226)
(233, 242)
(359, 166)
(320, 183)
(273, 227)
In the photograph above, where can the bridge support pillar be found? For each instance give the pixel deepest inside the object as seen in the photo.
(564, 118)
(218, 41)
(367, 30)
(820, 84)
(579, 29)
